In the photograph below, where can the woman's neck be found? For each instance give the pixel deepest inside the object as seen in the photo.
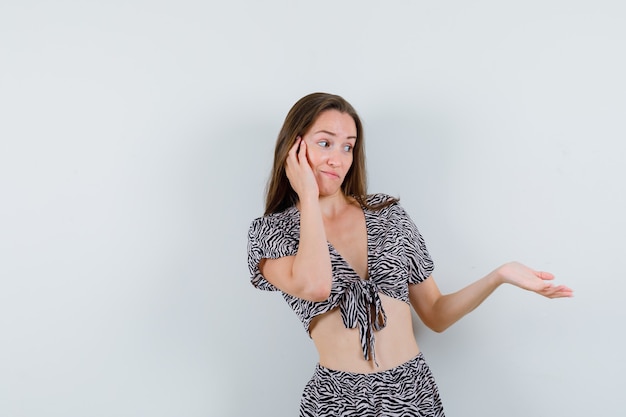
(332, 206)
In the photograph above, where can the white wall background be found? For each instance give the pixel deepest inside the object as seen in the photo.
(136, 139)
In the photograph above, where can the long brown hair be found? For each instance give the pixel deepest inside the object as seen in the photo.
(300, 118)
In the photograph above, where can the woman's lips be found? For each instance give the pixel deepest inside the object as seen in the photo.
(330, 174)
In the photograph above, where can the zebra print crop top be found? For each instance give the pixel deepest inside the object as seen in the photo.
(396, 256)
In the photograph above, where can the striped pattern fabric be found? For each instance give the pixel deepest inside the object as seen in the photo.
(409, 390)
(397, 256)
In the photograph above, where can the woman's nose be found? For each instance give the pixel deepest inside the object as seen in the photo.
(334, 159)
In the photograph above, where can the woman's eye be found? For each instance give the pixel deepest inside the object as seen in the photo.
(347, 148)
(323, 143)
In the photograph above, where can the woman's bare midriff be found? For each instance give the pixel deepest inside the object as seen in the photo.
(340, 348)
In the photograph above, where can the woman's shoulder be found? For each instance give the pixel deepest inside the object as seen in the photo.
(381, 200)
(385, 206)
(286, 219)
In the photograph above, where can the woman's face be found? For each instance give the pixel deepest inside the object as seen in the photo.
(330, 142)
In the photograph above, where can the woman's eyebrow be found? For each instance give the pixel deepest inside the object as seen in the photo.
(333, 134)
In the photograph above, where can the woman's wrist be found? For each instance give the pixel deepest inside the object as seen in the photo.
(309, 201)
(497, 278)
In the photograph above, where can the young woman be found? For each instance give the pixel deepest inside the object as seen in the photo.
(350, 265)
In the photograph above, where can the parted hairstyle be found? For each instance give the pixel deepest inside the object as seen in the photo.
(279, 193)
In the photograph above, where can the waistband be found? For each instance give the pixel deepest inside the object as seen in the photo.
(415, 363)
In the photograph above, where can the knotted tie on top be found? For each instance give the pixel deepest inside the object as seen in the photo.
(361, 305)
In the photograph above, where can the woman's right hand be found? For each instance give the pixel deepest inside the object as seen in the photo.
(299, 172)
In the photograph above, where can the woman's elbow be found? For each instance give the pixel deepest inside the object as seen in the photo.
(436, 326)
(316, 291)
(438, 329)
(320, 292)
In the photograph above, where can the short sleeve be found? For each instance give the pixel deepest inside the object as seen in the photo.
(419, 260)
(268, 238)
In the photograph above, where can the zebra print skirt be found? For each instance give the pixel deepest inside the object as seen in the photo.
(408, 390)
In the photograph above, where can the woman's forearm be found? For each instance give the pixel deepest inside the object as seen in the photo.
(312, 268)
(449, 308)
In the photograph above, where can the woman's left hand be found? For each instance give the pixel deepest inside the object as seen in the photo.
(537, 281)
